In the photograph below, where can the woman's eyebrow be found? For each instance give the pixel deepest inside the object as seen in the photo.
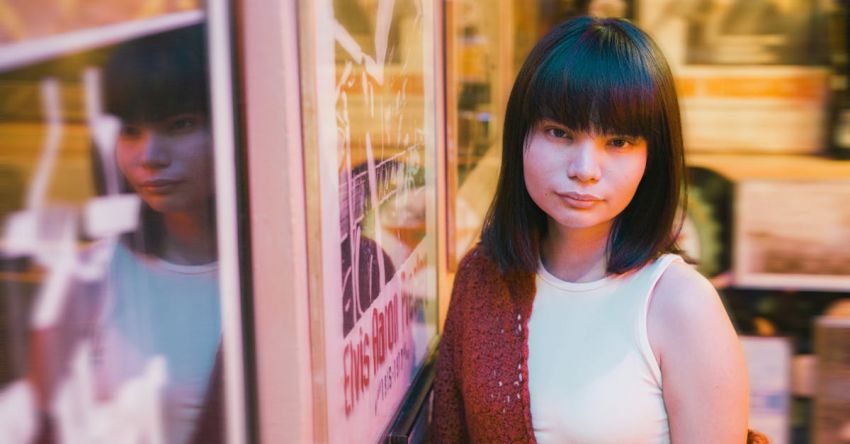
(552, 122)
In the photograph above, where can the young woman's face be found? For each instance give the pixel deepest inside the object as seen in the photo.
(581, 179)
(168, 162)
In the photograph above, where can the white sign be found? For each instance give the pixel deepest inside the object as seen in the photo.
(769, 367)
(792, 234)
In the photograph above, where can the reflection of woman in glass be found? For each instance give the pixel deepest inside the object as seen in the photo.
(573, 320)
(163, 285)
(158, 301)
(157, 87)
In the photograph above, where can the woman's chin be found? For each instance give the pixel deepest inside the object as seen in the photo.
(167, 204)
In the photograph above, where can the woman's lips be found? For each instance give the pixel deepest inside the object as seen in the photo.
(159, 186)
(579, 200)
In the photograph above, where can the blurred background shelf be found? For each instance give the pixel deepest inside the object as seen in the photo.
(781, 220)
(15, 55)
(737, 167)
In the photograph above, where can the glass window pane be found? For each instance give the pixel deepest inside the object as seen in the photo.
(22, 20)
(110, 310)
(374, 121)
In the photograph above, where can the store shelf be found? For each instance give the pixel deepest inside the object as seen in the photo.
(737, 167)
(37, 50)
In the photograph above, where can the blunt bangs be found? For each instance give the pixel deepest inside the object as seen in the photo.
(596, 81)
(155, 77)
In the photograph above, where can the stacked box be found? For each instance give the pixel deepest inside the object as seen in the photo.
(831, 421)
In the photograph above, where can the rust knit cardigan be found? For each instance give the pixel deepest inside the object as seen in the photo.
(481, 385)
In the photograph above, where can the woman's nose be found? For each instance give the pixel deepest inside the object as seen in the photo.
(155, 153)
(585, 163)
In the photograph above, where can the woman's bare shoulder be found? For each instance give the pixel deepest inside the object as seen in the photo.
(686, 316)
(682, 292)
(704, 374)
(684, 311)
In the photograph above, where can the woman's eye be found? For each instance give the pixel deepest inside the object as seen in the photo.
(182, 124)
(618, 142)
(558, 133)
(131, 131)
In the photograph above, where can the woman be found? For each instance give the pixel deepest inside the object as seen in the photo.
(573, 320)
(133, 356)
(163, 279)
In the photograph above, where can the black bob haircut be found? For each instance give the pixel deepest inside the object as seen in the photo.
(159, 76)
(608, 76)
(147, 80)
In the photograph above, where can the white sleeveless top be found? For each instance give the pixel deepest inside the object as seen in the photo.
(592, 375)
(156, 308)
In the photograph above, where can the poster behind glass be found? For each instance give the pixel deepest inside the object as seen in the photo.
(109, 317)
(378, 196)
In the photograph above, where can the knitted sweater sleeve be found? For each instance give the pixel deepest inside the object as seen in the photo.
(448, 422)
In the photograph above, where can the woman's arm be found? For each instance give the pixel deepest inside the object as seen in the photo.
(702, 364)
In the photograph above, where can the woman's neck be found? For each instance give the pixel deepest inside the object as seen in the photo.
(188, 238)
(576, 255)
